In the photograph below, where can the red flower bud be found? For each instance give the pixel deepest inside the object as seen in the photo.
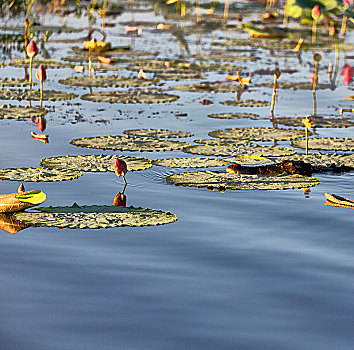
(316, 12)
(31, 49)
(41, 74)
(41, 124)
(120, 200)
(120, 167)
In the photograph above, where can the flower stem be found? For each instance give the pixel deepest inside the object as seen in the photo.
(313, 32)
(30, 79)
(41, 93)
(90, 61)
(125, 181)
(307, 141)
(274, 93)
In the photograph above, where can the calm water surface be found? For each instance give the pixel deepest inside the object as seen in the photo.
(238, 270)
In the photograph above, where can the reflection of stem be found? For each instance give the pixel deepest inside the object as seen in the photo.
(307, 141)
(334, 76)
(197, 10)
(344, 25)
(285, 22)
(313, 32)
(226, 9)
(274, 93)
(125, 185)
(314, 103)
(125, 181)
(41, 93)
(30, 81)
(314, 89)
(90, 61)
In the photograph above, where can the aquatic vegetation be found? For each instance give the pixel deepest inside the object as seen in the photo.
(208, 87)
(14, 112)
(120, 168)
(41, 124)
(40, 137)
(41, 76)
(95, 217)
(246, 103)
(158, 133)
(308, 124)
(326, 143)
(18, 94)
(188, 162)
(31, 51)
(338, 201)
(318, 122)
(234, 115)
(277, 74)
(14, 82)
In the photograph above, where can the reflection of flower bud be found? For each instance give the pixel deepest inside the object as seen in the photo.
(41, 73)
(31, 49)
(120, 167)
(41, 124)
(316, 12)
(21, 188)
(317, 57)
(347, 74)
(277, 73)
(120, 200)
(308, 122)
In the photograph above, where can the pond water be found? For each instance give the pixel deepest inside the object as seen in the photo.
(237, 270)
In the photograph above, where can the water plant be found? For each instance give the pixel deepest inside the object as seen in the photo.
(41, 76)
(120, 168)
(277, 74)
(308, 124)
(317, 58)
(316, 14)
(31, 51)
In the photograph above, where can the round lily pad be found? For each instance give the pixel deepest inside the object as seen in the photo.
(180, 76)
(95, 217)
(12, 112)
(329, 143)
(209, 87)
(140, 144)
(109, 81)
(95, 162)
(323, 161)
(15, 82)
(47, 62)
(188, 162)
(246, 103)
(258, 134)
(34, 95)
(158, 133)
(129, 97)
(226, 150)
(223, 181)
(318, 122)
(294, 85)
(247, 160)
(215, 142)
(38, 174)
(222, 57)
(233, 115)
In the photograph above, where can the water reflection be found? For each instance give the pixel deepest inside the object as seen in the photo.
(120, 200)
(10, 225)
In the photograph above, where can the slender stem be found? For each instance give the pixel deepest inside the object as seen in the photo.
(226, 9)
(307, 141)
(41, 93)
(90, 61)
(197, 10)
(125, 181)
(30, 79)
(313, 32)
(274, 93)
(285, 22)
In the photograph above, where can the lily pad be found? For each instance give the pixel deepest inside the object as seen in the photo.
(140, 144)
(129, 97)
(47, 62)
(188, 162)
(223, 181)
(13, 112)
(180, 76)
(326, 143)
(94, 162)
(318, 122)
(226, 150)
(223, 57)
(209, 87)
(294, 85)
(15, 82)
(158, 133)
(246, 160)
(38, 174)
(107, 81)
(34, 95)
(258, 134)
(246, 103)
(215, 142)
(233, 115)
(95, 217)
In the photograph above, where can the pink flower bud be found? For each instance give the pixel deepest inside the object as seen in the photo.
(31, 49)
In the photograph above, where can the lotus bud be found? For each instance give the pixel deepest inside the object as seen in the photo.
(317, 57)
(41, 73)
(31, 49)
(120, 200)
(120, 168)
(41, 124)
(308, 122)
(21, 188)
(316, 13)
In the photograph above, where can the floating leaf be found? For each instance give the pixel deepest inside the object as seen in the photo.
(214, 142)
(95, 163)
(158, 133)
(246, 160)
(94, 217)
(329, 143)
(188, 162)
(233, 115)
(209, 87)
(38, 174)
(218, 56)
(246, 103)
(132, 144)
(318, 122)
(10, 203)
(12, 112)
(180, 76)
(258, 134)
(222, 180)
(47, 62)
(294, 85)
(10, 225)
(339, 201)
(14, 82)
(16, 94)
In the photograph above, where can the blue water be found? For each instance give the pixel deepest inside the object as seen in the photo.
(238, 270)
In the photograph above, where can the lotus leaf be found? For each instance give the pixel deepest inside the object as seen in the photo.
(215, 142)
(34, 95)
(329, 143)
(94, 162)
(223, 181)
(247, 160)
(223, 57)
(246, 103)
(12, 112)
(129, 97)
(158, 133)
(38, 174)
(15, 82)
(140, 144)
(95, 217)
(258, 134)
(188, 162)
(318, 122)
(47, 62)
(180, 76)
(294, 85)
(107, 81)
(237, 150)
(209, 87)
(233, 115)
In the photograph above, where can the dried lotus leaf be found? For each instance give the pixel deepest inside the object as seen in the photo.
(12, 112)
(209, 87)
(157, 133)
(34, 95)
(294, 85)
(326, 143)
(188, 162)
(246, 103)
(246, 160)
(318, 122)
(15, 82)
(233, 115)
(95, 163)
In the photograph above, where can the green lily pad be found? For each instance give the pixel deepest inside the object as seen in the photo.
(318, 122)
(233, 115)
(13, 112)
(107, 81)
(47, 62)
(95, 217)
(38, 174)
(294, 85)
(15, 82)
(258, 134)
(223, 57)
(209, 87)
(188, 162)
(129, 97)
(223, 181)
(180, 76)
(246, 160)
(140, 144)
(246, 103)
(226, 150)
(94, 162)
(321, 161)
(326, 143)
(34, 95)
(157, 133)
